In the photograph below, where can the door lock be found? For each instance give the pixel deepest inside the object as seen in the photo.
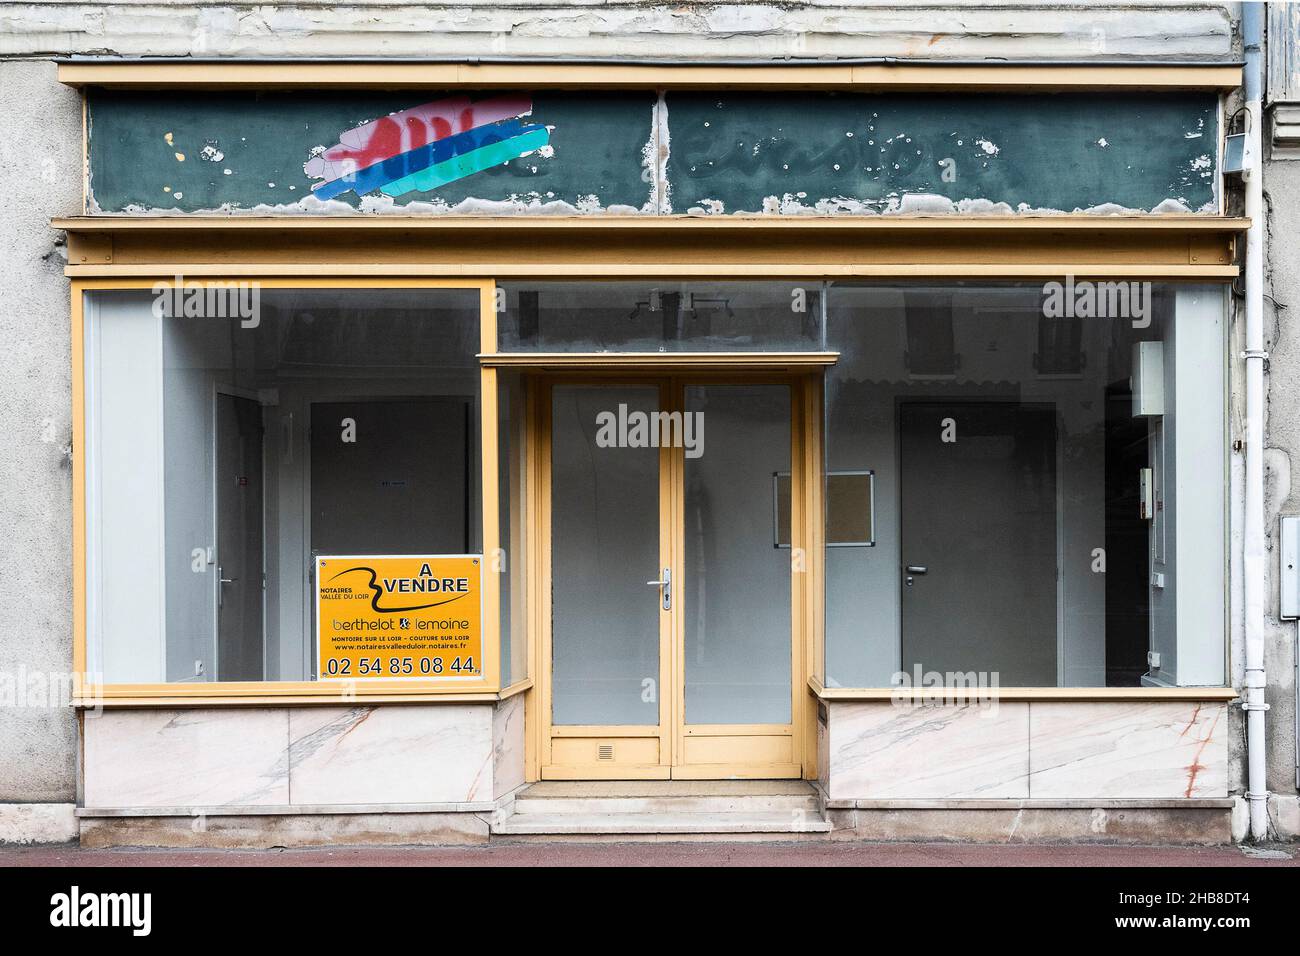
(665, 584)
(914, 569)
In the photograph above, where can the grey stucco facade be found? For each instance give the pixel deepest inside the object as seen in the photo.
(40, 742)
(41, 178)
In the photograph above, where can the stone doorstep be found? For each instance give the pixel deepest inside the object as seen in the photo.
(552, 806)
(664, 807)
(666, 788)
(776, 823)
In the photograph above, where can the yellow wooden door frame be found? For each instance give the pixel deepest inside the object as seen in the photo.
(713, 751)
(576, 752)
(673, 748)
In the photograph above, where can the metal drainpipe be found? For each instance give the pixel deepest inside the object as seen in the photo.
(1254, 356)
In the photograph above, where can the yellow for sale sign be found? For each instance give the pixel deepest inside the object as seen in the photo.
(399, 616)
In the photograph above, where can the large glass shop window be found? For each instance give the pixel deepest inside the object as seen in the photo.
(234, 436)
(1026, 485)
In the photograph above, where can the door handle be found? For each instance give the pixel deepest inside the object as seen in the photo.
(916, 569)
(665, 584)
(221, 592)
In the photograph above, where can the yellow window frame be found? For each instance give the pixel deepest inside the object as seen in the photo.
(488, 687)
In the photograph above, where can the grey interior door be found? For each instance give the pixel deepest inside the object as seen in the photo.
(240, 584)
(390, 476)
(978, 539)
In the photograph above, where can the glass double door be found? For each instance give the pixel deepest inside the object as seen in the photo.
(670, 641)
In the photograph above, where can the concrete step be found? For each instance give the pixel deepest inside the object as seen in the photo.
(667, 796)
(650, 807)
(655, 823)
(667, 788)
(526, 805)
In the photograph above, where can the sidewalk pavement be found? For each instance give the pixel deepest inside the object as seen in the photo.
(533, 854)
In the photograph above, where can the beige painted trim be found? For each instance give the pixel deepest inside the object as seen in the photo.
(748, 748)
(536, 574)
(288, 700)
(1114, 694)
(652, 361)
(335, 248)
(398, 74)
(246, 693)
(518, 687)
(814, 564)
(722, 271)
(648, 223)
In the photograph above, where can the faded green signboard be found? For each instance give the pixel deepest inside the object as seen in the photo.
(640, 153)
(854, 152)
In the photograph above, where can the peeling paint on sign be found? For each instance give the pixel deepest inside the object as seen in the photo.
(641, 153)
(852, 153)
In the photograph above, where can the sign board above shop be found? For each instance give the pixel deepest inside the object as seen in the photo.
(644, 153)
(399, 617)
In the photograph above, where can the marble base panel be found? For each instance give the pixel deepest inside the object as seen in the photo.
(1026, 750)
(882, 751)
(198, 757)
(508, 746)
(395, 754)
(294, 756)
(1157, 749)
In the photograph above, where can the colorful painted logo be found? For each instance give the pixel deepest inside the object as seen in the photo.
(427, 146)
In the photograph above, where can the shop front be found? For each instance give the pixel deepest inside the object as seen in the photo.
(553, 471)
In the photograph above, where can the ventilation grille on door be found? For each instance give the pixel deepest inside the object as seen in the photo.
(604, 751)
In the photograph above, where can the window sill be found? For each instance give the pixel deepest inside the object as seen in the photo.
(287, 694)
(1113, 694)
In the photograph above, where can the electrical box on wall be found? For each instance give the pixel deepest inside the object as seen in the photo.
(1148, 381)
(1289, 578)
(1146, 494)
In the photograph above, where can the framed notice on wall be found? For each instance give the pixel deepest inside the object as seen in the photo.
(394, 617)
(850, 509)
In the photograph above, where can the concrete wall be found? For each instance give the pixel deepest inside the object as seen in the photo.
(639, 29)
(1282, 496)
(40, 166)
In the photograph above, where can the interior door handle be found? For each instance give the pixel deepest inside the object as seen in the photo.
(221, 592)
(665, 584)
(916, 569)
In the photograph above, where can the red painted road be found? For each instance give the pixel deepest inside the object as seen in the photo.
(669, 854)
